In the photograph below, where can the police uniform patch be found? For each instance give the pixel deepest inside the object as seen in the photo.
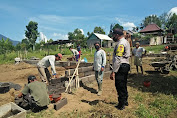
(120, 50)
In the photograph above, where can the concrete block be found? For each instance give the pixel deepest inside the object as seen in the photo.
(81, 75)
(64, 79)
(88, 73)
(57, 90)
(51, 86)
(60, 104)
(86, 69)
(54, 81)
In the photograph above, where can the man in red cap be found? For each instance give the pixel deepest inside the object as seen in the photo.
(43, 64)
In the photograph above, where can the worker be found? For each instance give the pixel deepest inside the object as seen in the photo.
(43, 64)
(75, 53)
(34, 96)
(99, 65)
(79, 49)
(121, 67)
(131, 47)
(137, 52)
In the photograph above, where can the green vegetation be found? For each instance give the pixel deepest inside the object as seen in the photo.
(32, 33)
(87, 53)
(143, 112)
(156, 49)
(138, 98)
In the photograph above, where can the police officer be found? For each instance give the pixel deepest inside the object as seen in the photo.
(121, 67)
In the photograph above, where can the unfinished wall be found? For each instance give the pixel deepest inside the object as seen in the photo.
(158, 40)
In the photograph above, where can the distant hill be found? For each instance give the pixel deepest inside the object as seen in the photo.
(13, 42)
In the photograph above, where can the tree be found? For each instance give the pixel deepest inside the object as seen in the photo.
(151, 19)
(99, 30)
(164, 20)
(77, 37)
(172, 23)
(49, 41)
(32, 33)
(88, 34)
(118, 26)
(5, 46)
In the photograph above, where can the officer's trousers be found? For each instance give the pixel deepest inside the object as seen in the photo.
(121, 83)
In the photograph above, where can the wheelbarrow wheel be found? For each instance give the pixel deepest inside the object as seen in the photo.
(163, 71)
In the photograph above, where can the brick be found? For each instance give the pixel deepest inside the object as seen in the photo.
(58, 105)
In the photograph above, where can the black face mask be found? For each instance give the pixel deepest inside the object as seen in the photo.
(114, 39)
(97, 47)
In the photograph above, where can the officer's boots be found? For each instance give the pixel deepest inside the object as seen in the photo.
(99, 89)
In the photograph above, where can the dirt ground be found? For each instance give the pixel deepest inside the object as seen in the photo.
(18, 74)
(85, 98)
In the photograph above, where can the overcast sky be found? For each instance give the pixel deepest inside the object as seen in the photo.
(55, 19)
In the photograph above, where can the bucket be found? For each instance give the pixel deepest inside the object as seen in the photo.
(147, 83)
(51, 97)
(56, 98)
(4, 87)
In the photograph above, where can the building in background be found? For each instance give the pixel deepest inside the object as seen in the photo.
(104, 40)
(156, 32)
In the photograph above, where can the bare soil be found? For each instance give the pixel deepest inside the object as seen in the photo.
(85, 98)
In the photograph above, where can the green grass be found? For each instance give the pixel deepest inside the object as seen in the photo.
(138, 98)
(163, 106)
(42, 114)
(144, 112)
(156, 49)
(87, 53)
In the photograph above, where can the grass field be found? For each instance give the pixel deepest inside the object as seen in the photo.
(87, 53)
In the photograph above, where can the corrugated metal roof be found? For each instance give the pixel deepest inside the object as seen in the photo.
(103, 37)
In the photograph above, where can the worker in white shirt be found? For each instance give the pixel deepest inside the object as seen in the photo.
(43, 64)
(138, 53)
(99, 65)
(75, 53)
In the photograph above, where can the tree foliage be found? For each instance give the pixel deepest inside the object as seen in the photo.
(99, 30)
(118, 26)
(151, 19)
(5, 46)
(32, 33)
(172, 23)
(77, 37)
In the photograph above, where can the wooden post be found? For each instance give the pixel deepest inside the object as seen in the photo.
(77, 78)
(69, 75)
(73, 74)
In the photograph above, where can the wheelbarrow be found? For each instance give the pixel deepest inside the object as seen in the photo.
(163, 67)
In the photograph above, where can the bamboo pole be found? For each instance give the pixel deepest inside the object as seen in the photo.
(73, 75)
(69, 74)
